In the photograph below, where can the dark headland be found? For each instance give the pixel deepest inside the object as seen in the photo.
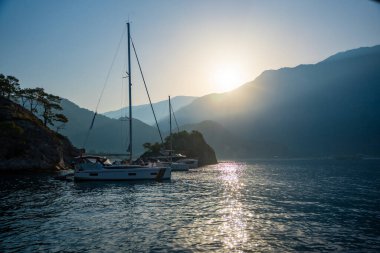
(28, 145)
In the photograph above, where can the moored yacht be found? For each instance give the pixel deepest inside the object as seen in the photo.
(95, 168)
(100, 168)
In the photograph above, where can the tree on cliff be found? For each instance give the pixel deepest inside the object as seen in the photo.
(30, 96)
(50, 104)
(8, 86)
(28, 145)
(39, 102)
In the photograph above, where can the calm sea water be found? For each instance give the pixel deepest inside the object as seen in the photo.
(309, 205)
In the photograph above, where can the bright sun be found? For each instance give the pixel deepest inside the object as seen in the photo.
(226, 78)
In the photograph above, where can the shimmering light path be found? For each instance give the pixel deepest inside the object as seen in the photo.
(230, 207)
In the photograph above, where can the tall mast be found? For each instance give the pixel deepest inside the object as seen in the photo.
(170, 123)
(130, 93)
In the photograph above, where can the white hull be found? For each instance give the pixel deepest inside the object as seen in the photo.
(98, 172)
(192, 163)
(179, 167)
(176, 166)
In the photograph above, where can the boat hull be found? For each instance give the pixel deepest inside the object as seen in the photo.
(123, 174)
(192, 163)
(176, 166)
(179, 167)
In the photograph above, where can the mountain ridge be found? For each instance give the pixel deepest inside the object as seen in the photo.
(107, 135)
(293, 106)
(322, 109)
(144, 112)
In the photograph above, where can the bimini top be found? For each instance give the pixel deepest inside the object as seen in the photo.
(92, 159)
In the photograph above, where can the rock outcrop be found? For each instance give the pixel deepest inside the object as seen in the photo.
(192, 145)
(26, 144)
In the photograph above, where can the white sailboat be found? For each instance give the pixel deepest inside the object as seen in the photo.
(176, 162)
(100, 168)
(192, 163)
(174, 165)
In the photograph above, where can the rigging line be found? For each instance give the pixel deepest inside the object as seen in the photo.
(88, 131)
(147, 92)
(109, 70)
(175, 119)
(121, 112)
(104, 86)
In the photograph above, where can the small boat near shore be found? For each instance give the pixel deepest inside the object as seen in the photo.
(192, 163)
(175, 166)
(177, 162)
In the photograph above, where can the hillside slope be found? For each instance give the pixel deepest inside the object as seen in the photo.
(230, 146)
(107, 135)
(144, 112)
(329, 108)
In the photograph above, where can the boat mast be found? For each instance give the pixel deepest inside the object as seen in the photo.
(170, 123)
(130, 93)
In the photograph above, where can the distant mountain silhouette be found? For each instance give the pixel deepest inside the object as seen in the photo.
(230, 146)
(328, 108)
(353, 53)
(144, 112)
(107, 135)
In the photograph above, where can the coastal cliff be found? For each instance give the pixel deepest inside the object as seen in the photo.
(27, 145)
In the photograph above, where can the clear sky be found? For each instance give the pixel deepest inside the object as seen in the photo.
(185, 47)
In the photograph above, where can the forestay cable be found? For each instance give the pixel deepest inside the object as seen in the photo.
(104, 86)
(175, 119)
(147, 92)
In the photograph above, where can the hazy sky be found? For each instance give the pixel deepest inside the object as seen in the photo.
(185, 47)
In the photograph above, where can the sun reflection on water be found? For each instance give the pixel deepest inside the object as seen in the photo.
(233, 214)
(224, 223)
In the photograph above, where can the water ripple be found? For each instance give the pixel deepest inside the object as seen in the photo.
(230, 207)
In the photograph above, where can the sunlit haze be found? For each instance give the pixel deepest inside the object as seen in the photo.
(227, 77)
(185, 47)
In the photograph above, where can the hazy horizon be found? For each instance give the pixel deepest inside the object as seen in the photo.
(186, 48)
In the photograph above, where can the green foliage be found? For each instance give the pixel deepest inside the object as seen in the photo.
(31, 95)
(9, 86)
(190, 144)
(153, 148)
(50, 103)
(34, 97)
(60, 118)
